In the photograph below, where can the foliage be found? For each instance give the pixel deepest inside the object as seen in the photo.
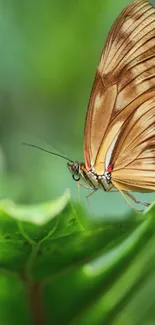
(59, 268)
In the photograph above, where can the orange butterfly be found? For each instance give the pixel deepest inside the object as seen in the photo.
(119, 137)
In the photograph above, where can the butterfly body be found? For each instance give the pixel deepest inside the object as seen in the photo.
(94, 180)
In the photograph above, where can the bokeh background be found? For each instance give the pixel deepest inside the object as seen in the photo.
(48, 57)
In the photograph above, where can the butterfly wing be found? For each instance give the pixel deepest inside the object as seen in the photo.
(134, 167)
(124, 81)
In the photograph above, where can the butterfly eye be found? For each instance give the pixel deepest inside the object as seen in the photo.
(75, 168)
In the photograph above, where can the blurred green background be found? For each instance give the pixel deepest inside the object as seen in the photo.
(49, 54)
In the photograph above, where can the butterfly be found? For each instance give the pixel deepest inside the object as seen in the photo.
(119, 135)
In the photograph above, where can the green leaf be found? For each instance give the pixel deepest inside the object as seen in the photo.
(36, 214)
(56, 267)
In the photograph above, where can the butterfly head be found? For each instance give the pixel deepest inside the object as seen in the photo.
(76, 169)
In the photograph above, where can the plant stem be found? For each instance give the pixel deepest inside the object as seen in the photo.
(36, 303)
(34, 292)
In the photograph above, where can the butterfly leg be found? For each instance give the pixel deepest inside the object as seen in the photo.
(124, 193)
(87, 187)
(80, 184)
(110, 189)
(135, 199)
(78, 187)
(93, 191)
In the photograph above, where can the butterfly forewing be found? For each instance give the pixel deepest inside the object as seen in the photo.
(120, 123)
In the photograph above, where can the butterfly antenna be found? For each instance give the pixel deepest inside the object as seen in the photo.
(57, 151)
(48, 151)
